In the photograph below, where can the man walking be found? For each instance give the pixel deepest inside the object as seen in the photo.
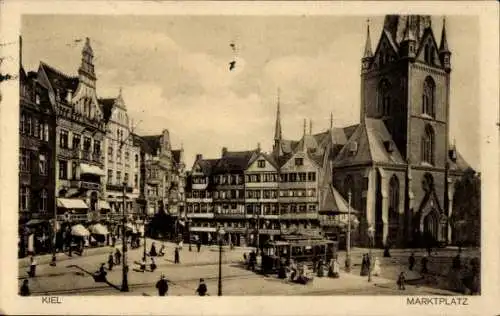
(198, 245)
(110, 262)
(162, 286)
(202, 288)
(411, 261)
(176, 255)
(118, 256)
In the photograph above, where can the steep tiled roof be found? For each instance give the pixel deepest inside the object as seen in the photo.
(176, 155)
(234, 161)
(334, 203)
(369, 138)
(152, 142)
(288, 146)
(207, 165)
(107, 108)
(58, 79)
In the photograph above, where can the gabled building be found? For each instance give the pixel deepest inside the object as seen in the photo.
(122, 159)
(80, 132)
(36, 165)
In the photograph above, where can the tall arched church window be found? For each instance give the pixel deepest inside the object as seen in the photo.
(428, 97)
(428, 145)
(384, 98)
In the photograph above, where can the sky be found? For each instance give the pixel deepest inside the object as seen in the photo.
(174, 73)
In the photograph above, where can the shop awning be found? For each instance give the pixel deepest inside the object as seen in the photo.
(99, 229)
(33, 222)
(104, 205)
(79, 230)
(71, 203)
(89, 169)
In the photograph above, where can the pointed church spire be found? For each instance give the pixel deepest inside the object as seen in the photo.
(277, 131)
(305, 126)
(310, 127)
(408, 35)
(331, 120)
(443, 48)
(368, 45)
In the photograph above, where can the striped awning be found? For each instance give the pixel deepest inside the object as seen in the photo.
(89, 169)
(71, 203)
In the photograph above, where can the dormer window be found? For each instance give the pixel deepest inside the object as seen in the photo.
(299, 161)
(261, 163)
(353, 148)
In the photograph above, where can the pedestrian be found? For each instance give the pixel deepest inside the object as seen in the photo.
(320, 270)
(143, 264)
(113, 240)
(32, 272)
(153, 264)
(118, 256)
(364, 265)
(110, 262)
(335, 269)
(162, 250)
(180, 244)
(198, 245)
(152, 252)
(253, 260)
(293, 270)
(202, 288)
(25, 289)
(411, 261)
(424, 263)
(176, 255)
(457, 262)
(376, 267)
(162, 286)
(401, 281)
(387, 253)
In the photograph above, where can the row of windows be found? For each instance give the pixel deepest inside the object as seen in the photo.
(119, 156)
(32, 126)
(298, 177)
(118, 180)
(263, 177)
(25, 196)
(253, 225)
(64, 137)
(251, 208)
(25, 162)
(384, 101)
(298, 193)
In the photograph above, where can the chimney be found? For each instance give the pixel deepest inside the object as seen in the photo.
(258, 147)
(224, 151)
(199, 157)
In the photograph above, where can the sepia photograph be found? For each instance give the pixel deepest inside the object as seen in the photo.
(249, 155)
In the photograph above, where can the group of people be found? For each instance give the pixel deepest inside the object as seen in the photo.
(367, 266)
(162, 287)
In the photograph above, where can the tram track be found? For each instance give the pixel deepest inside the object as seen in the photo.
(138, 286)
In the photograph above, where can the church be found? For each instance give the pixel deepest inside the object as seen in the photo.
(398, 164)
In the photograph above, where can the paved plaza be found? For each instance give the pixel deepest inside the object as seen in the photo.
(73, 275)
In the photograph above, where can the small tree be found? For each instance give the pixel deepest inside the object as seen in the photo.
(466, 216)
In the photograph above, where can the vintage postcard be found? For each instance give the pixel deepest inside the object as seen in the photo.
(232, 158)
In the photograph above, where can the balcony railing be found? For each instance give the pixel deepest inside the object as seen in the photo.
(302, 215)
(85, 185)
(230, 215)
(116, 187)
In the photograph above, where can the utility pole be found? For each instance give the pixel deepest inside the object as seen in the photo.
(348, 238)
(124, 287)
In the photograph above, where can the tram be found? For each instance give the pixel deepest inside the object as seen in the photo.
(300, 249)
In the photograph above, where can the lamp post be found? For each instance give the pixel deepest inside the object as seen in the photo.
(348, 237)
(221, 233)
(124, 287)
(370, 237)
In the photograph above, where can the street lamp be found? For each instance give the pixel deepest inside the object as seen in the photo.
(220, 232)
(348, 237)
(124, 287)
(54, 233)
(371, 231)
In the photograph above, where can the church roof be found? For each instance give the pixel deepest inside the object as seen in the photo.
(334, 203)
(207, 165)
(369, 144)
(459, 164)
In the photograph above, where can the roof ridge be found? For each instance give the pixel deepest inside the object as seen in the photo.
(57, 70)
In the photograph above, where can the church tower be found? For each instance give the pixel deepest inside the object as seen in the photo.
(405, 83)
(277, 150)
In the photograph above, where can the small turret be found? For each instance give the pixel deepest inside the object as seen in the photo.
(368, 54)
(444, 52)
(408, 43)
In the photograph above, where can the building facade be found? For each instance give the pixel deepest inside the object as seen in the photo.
(80, 133)
(36, 166)
(122, 159)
